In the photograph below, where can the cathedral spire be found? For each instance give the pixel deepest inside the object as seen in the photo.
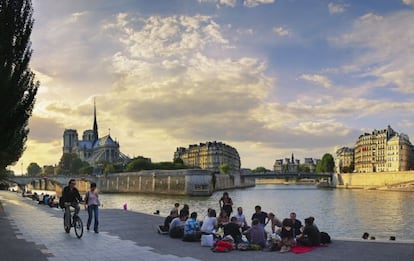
(95, 124)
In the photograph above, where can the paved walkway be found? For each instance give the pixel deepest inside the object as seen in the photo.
(35, 232)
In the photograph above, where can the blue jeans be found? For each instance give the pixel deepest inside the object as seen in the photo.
(93, 210)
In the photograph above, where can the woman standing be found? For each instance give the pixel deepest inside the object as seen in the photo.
(92, 202)
(226, 204)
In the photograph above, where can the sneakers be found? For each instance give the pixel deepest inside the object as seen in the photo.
(284, 249)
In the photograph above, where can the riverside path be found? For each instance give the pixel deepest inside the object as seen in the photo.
(29, 231)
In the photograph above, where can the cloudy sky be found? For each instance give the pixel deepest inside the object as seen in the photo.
(268, 77)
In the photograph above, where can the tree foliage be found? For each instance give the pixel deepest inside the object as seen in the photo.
(225, 168)
(260, 170)
(71, 164)
(327, 164)
(34, 169)
(139, 163)
(17, 86)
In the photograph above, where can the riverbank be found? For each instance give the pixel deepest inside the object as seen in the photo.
(132, 235)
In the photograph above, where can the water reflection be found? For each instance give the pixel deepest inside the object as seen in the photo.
(342, 213)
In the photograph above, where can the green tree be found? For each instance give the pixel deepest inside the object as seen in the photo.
(303, 168)
(109, 168)
(34, 169)
(17, 86)
(225, 168)
(178, 161)
(260, 170)
(48, 170)
(327, 164)
(71, 164)
(139, 163)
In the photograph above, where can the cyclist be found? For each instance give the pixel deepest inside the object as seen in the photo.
(71, 194)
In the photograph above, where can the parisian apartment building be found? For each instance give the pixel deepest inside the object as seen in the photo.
(378, 151)
(210, 156)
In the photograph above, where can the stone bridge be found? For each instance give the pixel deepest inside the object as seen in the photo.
(287, 175)
(50, 183)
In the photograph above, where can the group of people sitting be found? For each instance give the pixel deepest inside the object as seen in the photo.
(284, 234)
(44, 199)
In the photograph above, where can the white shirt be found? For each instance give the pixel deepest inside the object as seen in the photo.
(209, 224)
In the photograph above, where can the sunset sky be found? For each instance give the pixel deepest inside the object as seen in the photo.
(268, 77)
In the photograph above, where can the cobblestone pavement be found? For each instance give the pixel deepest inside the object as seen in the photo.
(46, 231)
(130, 235)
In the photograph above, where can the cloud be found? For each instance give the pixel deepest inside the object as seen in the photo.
(337, 8)
(408, 2)
(44, 129)
(383, 46)
(254, 3)
(317, 79)
(229, 3)
(281, 31)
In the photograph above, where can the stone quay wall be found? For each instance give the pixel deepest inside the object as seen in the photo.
(194, 182)
(374, 180)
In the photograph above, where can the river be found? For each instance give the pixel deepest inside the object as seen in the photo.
(342, 213)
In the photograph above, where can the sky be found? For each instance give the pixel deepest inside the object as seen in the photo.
(268, 77)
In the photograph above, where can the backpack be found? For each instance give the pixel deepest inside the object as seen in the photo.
(325, 238)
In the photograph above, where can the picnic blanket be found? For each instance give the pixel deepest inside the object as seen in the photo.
(298, 249)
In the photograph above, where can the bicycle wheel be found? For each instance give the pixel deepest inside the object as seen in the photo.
(78, 225)
(66, 223)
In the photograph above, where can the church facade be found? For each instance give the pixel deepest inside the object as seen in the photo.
(91, 148)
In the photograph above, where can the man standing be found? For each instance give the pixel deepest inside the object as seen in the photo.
(71, 195)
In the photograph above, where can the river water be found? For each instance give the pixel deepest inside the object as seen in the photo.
(341, 213)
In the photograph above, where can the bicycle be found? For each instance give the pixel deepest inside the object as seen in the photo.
(72, 221)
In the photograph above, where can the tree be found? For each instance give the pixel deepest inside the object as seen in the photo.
(139, 163)
(303, 168)
(17, 86)
(327, 164)
(49, 170)
(33, 169)
(260, 170)
(225, 168)
(71, 164)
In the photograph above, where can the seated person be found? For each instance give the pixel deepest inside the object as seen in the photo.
(209, 223)
(192, 231)
(222, 218)
(275, 223)
(296, 224)
(260, 215)
(177, 226)
(256, 234)
(287, 235)
(185, 210)
(310, 235)
(166, 227)
(233, 229)
(241, 219)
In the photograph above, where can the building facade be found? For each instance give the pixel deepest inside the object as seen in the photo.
(91, 148)
(383, 150)
(293, 165)
(344, 160)
(209, 156)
